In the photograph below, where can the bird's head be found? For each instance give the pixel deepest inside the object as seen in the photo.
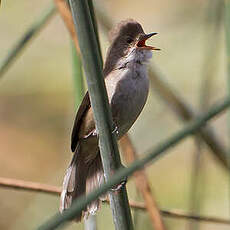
(128, 41)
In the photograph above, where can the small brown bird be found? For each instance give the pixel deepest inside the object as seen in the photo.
(127, 87)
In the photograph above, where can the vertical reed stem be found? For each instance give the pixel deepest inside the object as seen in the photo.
(102, 114)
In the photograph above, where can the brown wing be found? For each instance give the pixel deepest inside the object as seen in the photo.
(85, 105)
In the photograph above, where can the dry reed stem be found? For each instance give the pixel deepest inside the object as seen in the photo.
(55, 190)
(29, 186)
(66, 15)
(142, 184)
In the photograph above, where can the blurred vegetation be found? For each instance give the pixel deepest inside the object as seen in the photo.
(37, 101)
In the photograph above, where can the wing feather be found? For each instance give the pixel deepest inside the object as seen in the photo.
(85, 105)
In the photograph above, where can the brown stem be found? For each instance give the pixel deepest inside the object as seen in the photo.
(66, 15)
(54, 190)
(29, 186)
(142, 184)
(184, 215)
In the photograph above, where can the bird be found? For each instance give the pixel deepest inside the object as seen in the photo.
(127, 85)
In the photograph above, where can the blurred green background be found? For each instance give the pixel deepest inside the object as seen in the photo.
(37, 109)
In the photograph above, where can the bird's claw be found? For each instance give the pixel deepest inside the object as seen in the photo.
(121, 184)
(115, 131)
(95, 133)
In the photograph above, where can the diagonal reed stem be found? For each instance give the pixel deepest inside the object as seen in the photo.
(186, 113)
(160, 150)
(26, 37)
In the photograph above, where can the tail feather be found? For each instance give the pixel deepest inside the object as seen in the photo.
(95, 178)
(68, 186)
(81, 178)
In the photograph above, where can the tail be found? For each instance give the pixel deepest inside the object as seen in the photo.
(81, 178)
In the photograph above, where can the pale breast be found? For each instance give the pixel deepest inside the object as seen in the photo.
(127, 91)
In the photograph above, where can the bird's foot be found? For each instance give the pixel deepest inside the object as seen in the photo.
(115, 131)
(121, 184)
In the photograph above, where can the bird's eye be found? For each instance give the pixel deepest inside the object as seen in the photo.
(129, 40)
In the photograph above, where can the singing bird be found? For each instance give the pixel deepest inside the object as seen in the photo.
(127, 86)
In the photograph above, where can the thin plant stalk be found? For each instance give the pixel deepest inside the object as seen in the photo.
(64, 11)
(93, 18)
(90, 223)
(186, 113)
(212, 24)
(142, 184)
(22, 185)
(59, 220)
(136, 212)
(194, 200)
(102, 114)
(227, 35)
(25, 38)
(77, 76)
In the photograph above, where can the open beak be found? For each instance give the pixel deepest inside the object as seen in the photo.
(142, 39)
